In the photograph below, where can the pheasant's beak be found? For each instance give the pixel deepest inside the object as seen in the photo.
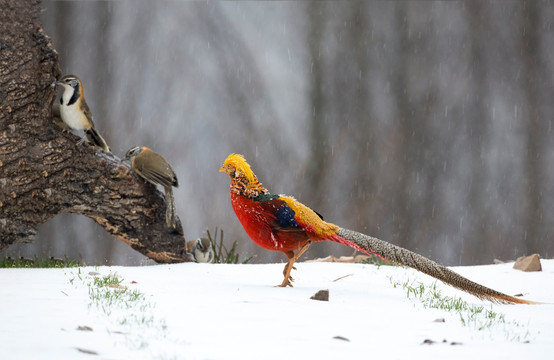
(221, 169)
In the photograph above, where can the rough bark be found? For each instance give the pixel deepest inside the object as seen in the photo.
(44, 172)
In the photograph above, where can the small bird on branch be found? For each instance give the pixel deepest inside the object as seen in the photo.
(281, 223)
(153, 168)
(75, 113)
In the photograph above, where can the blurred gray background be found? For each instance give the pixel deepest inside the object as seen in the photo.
(426, 124)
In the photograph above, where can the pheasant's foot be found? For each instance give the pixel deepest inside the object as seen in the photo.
(286, 282)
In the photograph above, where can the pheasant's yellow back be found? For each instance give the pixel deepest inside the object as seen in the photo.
(309, 219)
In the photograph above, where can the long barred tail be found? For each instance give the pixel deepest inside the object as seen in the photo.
(94, 137)
(401, 256)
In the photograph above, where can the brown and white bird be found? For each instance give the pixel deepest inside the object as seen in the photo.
(201, 250)
(75, 113)
(153, 168)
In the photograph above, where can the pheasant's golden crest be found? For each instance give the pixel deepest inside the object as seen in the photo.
(239, 164)
(243, 180)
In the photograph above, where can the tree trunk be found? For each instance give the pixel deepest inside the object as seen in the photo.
(44, 172)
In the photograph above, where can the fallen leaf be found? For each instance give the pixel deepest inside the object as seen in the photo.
(342, 277)
(86, 351)
(340, 338)
(84, 328)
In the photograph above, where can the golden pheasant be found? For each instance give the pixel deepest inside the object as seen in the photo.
(281, 223)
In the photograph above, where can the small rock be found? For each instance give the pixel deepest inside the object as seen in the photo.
(528, 263)
(455, 343)
(441, 320)
(321, 295)
(428, 341)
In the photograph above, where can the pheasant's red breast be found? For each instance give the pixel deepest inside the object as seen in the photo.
(262, 223)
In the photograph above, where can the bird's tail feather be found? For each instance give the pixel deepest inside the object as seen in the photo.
(354, 245)
(401, 256)
(94, 137)
(170, 208)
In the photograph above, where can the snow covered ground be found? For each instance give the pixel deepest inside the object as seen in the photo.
(203, 311)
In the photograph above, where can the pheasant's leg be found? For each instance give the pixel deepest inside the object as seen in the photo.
(290, 255)
(288, 268)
